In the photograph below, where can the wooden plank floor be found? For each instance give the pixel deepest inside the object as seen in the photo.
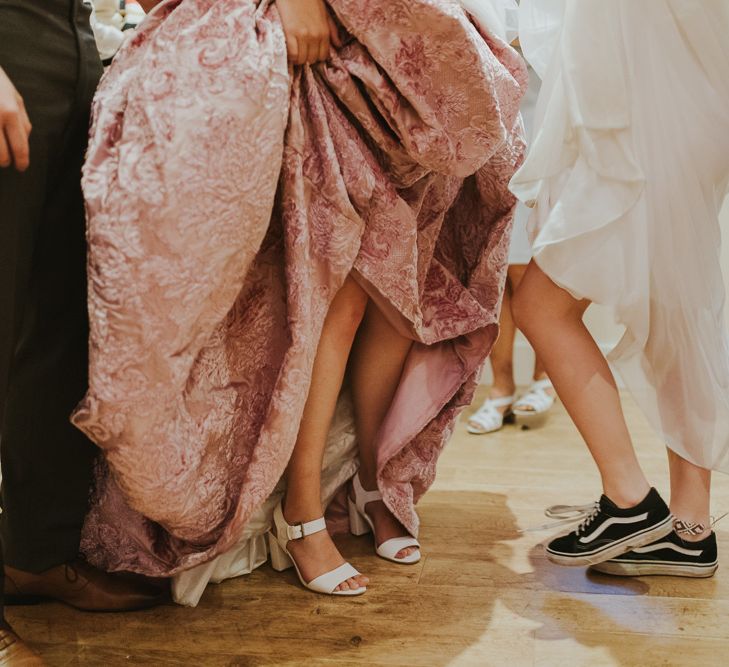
(483, 595)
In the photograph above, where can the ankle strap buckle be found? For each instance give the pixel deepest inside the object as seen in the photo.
(303, 529)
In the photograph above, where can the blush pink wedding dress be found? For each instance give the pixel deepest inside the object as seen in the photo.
(228, 199)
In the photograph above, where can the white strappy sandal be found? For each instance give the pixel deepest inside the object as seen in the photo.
(360, 524)
(539, 402)
(489, 417)
(282, 560)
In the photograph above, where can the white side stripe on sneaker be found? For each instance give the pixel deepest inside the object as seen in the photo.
(668, 545)
(586, 539)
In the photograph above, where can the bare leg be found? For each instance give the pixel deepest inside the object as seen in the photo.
(690, 493)
(317, 554)
(540, 372)
(552, 321)
(502, 353)
(516, 274)
(376, 366)
(501, 357)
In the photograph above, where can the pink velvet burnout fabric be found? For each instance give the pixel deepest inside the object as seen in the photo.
(228, 200)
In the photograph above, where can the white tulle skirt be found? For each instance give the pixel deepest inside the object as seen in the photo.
(627, 171)
(520, 250)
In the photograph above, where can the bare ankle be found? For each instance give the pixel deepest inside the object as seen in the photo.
(367, 478)
(625, 498)
(690, 537)
(692, 529)
(297, 510)
(502, 388)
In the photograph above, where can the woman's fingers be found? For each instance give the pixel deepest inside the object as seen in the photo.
(292, 48)
(17, 138)
(304, 49)
(14, 126)
(317, 47)
(334, 37)
(5, 160)
(323, 52)
(305, 24)
(322, 34)
(27, 125)
(312, 49)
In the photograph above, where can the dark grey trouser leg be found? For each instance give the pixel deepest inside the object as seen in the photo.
(47, 50)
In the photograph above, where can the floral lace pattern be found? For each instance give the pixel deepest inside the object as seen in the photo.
(228, 200)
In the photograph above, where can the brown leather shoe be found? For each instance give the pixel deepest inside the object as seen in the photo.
(81, 586)
(14, 652)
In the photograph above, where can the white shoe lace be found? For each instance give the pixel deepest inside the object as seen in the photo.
(586, 514)
(564, 515)
(589, 518)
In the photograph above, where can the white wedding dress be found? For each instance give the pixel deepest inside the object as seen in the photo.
(520, 250)
(627, 171)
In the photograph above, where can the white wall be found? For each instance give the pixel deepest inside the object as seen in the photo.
(600, 321)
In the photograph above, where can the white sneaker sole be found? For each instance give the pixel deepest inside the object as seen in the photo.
(617, 549)
(655, 568)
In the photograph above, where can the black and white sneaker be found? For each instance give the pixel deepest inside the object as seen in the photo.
(670, 556)
(610, 531)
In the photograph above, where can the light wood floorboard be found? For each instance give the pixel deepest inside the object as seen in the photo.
(484, 594)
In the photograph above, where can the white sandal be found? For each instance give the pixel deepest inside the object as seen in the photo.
(538, 400)
(282, 560)
(360, 524)
(488, 418)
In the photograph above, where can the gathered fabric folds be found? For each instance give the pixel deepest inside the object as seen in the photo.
(627, 173)
(228, 200)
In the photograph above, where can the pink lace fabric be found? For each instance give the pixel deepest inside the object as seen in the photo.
(229, 199)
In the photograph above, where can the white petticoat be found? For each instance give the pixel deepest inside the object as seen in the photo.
(340, 463)
(626, 173)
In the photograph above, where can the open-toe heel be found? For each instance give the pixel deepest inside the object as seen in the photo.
(532, 409)
(360, 524)
(281, 558)
(357, 523)
(491, 416)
